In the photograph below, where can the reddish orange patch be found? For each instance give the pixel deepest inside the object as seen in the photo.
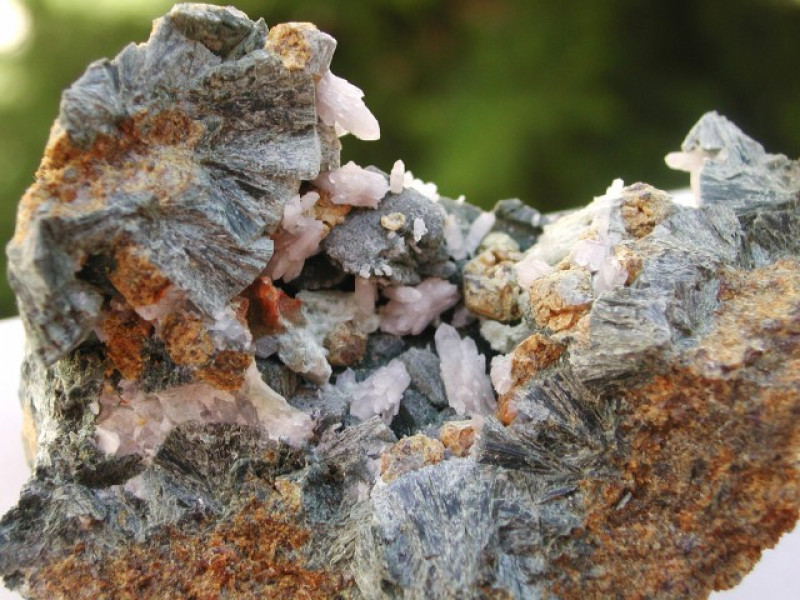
(226, 370)
(534, 354)
(136, 278)
(68, 172)
(269, 307)
(257, 553)
(127, 332)
(187, 340)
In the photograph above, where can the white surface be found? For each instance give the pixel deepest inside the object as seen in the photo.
(776, 577)
(13, 469)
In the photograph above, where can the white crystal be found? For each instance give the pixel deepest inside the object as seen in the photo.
(427, 189)
(227, 331)
(691, 162)
(340, 104)
(477, 231)
(589, 254)
(559, 237)
(609, 275)
(453, 238)
(136, 486)
(403, 293)
(529, 269)
(353, 185)
(463, 370)
(411, 309)
(283, 422)
(107, 440)
(500, 373)
(503, 337)
(397, 177)
(380, 394)
(419, 229)
(134, 422)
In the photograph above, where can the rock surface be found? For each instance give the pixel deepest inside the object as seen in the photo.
(202, 431)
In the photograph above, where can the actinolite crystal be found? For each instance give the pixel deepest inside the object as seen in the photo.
(253, 373)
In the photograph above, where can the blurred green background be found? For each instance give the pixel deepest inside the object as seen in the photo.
(543, 100)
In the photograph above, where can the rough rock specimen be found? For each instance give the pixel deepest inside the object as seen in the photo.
(254, 374)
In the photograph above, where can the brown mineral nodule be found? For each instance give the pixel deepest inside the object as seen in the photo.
(186, 338)
(643, 207)
(535, 353)
(127, 333)
(458, 436)
(560, 298)
(345, 344)
(410, 454)
(490, 285)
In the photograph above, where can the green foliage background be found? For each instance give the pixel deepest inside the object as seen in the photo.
(538, 99)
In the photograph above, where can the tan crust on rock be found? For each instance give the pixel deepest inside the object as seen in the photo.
(708, 476)
(410, 454)
(186, 338)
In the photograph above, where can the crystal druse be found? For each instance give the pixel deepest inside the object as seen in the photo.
(253, 372)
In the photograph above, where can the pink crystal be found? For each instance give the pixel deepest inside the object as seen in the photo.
(340, 104)
(353, 185)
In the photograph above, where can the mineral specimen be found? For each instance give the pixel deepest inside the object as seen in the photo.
(251, 373)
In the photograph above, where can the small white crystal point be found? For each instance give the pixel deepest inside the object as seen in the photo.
(419, 229)
(477, 231)
(454, 238)
(500, 373)
(427, 189)
(692, 162)
(397, 177)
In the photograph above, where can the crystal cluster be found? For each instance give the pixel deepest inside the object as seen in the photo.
(255, 372)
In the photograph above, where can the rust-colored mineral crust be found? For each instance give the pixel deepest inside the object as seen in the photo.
(706, 472)
(254, 554)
